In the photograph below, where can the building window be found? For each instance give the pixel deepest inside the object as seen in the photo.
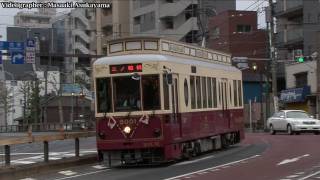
(243, 28)
(168, 23)
(215, 33)
(301, 79)
(137, 20)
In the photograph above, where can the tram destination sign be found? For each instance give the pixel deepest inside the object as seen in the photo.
(125, 68)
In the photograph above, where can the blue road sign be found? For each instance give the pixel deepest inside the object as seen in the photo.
(0, 57)
(16, 46)
(4, 45)
(17, 57)
(30, 43)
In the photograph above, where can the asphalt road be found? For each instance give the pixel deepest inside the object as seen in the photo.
(258, 157)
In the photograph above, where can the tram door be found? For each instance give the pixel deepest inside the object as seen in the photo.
(225, 107)
(175, 104)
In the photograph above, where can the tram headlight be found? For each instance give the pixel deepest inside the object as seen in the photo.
(127, 129)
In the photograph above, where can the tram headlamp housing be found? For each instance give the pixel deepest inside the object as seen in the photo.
(127, 129)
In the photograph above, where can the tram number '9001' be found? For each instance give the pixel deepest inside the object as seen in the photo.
(127, 121)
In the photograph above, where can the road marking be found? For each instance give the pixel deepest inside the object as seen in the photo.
(99, 167)
(68, 173)
(310, 175)
(23, 162)
(213, 170)
(215, 167)
(292, 176)
(300, 173)
(84, 174)
(286, 161)
(193, 161)
(28, 179)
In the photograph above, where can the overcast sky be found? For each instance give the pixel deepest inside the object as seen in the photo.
(6, 15)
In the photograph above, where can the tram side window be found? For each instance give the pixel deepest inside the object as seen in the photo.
(126, 91)
(230, 95)
(204, 92)
(199, 101)
(165, 93)
(214, 88)
(151, 92)
(103, 92)
(193, 92)
(240, 92)
(209, 92)
(235, 93)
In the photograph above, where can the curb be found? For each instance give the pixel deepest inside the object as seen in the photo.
(16, 172)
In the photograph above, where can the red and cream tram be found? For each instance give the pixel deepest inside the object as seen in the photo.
(158, 100)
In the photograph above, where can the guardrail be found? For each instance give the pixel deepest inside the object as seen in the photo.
(48, 127)
(7, 141)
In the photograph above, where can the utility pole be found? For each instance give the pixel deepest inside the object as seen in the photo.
(272, 55)
(318, 75)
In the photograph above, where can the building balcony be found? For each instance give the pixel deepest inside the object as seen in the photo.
(81, 17)
(288, 8)
(173, 9)
(181, 31)
(289, 37)
(81, 34)
(81, 48)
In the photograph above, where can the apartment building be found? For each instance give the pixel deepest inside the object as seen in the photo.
(297, 28)
(40, 18)
(75, 34)
(174, 19)
(112, 23)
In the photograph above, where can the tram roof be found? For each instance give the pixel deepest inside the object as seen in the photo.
(141, 58)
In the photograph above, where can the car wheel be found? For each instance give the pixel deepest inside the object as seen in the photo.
(289, 129)
(272, 131)
(297, 133)
(316, 133)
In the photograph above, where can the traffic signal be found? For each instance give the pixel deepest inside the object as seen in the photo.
(300, 59)
(298, 56)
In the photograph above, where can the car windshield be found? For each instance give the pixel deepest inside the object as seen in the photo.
(297, 114)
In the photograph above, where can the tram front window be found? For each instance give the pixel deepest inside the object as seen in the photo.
(126, 91)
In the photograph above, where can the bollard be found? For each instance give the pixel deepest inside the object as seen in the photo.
(46, 151)
(7, 155)
(77, 147)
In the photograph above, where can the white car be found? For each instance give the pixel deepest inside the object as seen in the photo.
(293, 121)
